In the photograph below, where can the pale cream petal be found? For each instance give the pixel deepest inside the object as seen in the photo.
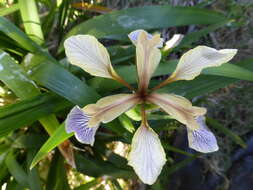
(194, 61)
(133, 36)
(202, 139)
(174, 41)
(147, 155)
(86, 52)
(148, 57)
(178, 107)
(110, 107)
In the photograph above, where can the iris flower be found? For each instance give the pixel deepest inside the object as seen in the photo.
(147, 156)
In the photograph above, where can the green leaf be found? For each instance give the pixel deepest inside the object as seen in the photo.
(55, 139)
(48, 21)
(126, 123)
(13, 185)
(231, 71)
(62, 82)
(57, 178)
(31, 20)
(116, 184)
(181, 164)
(10, 30)
(204, 83)
(124, 21)
(25, 112)
(174, 149)
(16, 78)
(237, 71)
(8, 10)
(97, 168)
(88, 185)
(226, 70)
(195, 36)
(219, 127)
(31, 141)
(33, 175)
(197, 87)
(16, 170)
(17, 35)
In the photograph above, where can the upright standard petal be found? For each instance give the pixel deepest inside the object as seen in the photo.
(110, 107)
(194, 61)
(133, 36)
(202, 139)
(86, 52)
(147, 156)
(178, 107)
(77, 122)
(147, 57)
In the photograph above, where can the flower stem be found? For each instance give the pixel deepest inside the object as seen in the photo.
(144, 115)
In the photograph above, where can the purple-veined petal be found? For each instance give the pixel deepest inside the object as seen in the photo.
(77, 122)
(147, 155)
(133, 36)
(202, 139)
(179, 107)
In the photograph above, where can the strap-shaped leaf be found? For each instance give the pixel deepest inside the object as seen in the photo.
(241, 70)
(59, 136)
(25, 112)
(62, 82)
(127, 20)
(8, 10)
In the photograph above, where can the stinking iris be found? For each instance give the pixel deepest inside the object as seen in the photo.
(147, 155)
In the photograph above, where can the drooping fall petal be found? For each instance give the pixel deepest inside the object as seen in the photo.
(86, 52)
(147, 155)
(77, 122)
(178, 107)
(202, 139)
(110, 107)
(147, 56)
(195, 60)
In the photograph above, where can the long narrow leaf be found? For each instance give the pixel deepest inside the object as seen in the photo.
(219, 127)
(60, 81)
(31, 20)
(15, 77)
(57, 138)
(25, 112)
(124, 21)
(8, 10)
(16, 170)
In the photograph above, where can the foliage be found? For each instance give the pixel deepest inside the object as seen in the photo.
(39, 87)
